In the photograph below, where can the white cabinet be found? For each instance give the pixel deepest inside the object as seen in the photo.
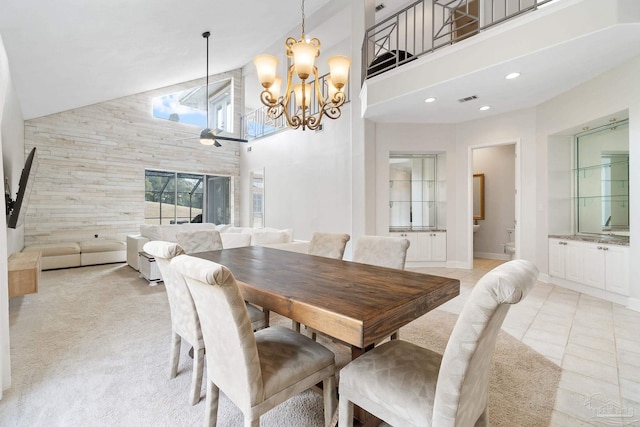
(606, 267)
(433, 246)
(597, 265)
(425, 246)
(566, 259)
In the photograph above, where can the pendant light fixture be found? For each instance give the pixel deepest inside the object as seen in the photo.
(303, 52)
(209, 136)
(206, 136)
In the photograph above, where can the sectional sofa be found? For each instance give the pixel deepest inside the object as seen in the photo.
(232, 237)
(79, 254)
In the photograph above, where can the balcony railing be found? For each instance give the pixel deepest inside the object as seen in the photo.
(428, 25)
(257, 124)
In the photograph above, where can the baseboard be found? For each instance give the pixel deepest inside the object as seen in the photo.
(591, 291)
(544, 277)
(491, 255)
(423, 264)
(460, 264)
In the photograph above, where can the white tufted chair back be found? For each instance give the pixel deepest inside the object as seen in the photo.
(185, 324)
(194, 241)
(463, 382)
(184, 318)
(408, 385)
(382, 251)
(329, 245)
(255, 371)
(233, 363)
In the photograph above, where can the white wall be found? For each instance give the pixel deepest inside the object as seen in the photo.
(609, 93)
(416, 139)
(517, 127)
(13, 156)
(559, 184)
(92, 160)
(307, 179)
(12, 149)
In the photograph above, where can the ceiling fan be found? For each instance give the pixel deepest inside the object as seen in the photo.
(211, 136)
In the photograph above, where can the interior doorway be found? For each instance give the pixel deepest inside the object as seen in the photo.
(495, 234)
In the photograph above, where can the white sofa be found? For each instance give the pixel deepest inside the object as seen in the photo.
(79, 254)
(232, 237)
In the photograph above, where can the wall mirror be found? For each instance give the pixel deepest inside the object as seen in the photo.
(602, 179)
(478, 196)
(257, 198)
(412, 192)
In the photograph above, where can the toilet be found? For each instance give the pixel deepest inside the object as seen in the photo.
(510, 245)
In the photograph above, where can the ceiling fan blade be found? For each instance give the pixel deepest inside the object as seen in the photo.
(228, 138)
(186, 139)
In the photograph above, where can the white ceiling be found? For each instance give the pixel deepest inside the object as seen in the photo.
(65, 54)
(68, 53)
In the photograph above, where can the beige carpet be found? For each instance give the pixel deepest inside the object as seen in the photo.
(91, 348)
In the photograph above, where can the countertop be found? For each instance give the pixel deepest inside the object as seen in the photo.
(595, 238)
(414, 229)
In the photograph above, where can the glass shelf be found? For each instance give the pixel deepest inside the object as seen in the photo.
(413, 191)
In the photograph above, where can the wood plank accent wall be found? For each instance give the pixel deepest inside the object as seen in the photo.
(91, 162)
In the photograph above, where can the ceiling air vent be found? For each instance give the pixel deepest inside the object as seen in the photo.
(380, 7)
(468, 98)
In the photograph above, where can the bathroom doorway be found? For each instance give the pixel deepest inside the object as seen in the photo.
(494, 235)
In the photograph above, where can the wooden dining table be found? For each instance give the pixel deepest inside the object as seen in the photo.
(358, 304)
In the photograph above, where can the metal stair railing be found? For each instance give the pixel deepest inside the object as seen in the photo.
(427, 25)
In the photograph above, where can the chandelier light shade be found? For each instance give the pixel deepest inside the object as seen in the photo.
(303, 53)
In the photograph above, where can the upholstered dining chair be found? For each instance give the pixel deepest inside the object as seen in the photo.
(383, 251)
(329, 245)
(255, 371)
(185, 324)
(407, 385)
(194, 241)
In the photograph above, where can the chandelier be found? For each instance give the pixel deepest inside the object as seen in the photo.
(303, 53)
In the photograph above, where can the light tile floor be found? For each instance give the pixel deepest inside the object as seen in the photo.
(595, 342)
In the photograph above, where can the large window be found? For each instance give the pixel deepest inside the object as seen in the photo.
(178, 197)
(190, 106)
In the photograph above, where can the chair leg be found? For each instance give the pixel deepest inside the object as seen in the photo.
(311, 333)
(266, 317)
(196, 376)
(329, 396)
(346, 413)
(211, 411)
(395, 335)
(174, 355)
(295, 326)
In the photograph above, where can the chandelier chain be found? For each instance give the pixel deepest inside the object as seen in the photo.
(302, 8)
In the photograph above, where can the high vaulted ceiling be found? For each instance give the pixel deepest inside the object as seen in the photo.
(65, 54)
(68, 53)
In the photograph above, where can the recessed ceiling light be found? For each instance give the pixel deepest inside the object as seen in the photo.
(429, 100)
(511, 76)
(484, 108)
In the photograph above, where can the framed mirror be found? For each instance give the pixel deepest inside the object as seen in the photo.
(257, 198)
(478, 196)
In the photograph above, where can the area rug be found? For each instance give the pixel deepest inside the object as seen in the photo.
(92, 348)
